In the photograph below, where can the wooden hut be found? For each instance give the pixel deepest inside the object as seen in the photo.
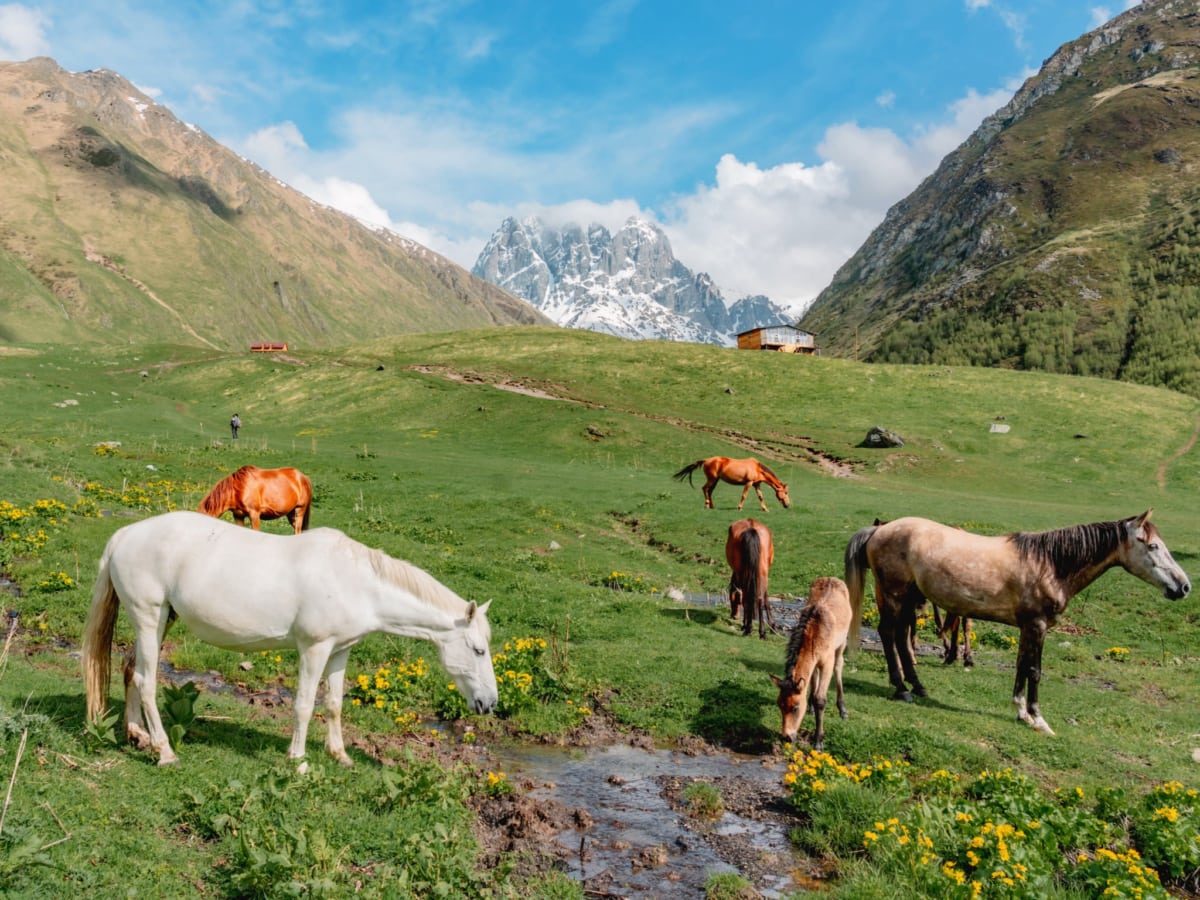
(269, 347)
(781, 338)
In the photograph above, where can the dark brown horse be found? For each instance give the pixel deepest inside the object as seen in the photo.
(262, 494)
(1022, 579)
(816, 650)
(750, 552)
(749, 472)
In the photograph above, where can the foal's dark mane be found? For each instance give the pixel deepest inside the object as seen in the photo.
(1073, 548)
(796, 640)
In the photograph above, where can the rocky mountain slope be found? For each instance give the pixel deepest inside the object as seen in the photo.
(120, 222)
(1062, 235)
(628, 284)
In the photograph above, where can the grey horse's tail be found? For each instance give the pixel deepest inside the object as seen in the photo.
(856, 572)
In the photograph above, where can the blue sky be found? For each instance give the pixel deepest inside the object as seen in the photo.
(767, 138)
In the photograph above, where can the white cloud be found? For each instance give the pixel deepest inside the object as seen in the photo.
(22, 32)
(784, 231)
(887, 99)
(780, 230)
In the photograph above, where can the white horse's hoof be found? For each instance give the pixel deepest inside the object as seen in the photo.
(302, 769)
(1039, 724)
(168, 761)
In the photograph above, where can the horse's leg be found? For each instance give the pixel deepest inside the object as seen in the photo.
(144, 683)
(313, 660)
(951, 642)
(335, 684)
(135, 725)
(239, 517)
(820, 694)
(708, 489)
(887, 636)
(255, 520)
(745, 491)
(904, 648)
(968, 658)
(839, 659)
(761, 501)
(1029, 674)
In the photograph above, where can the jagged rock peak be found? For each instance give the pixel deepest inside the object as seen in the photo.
(629, 283)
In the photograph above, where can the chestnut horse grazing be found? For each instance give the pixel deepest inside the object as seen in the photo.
(319, 592)
(750, 552)
(749, 472)
(262, 494)
(815, 654)
(1021, 579)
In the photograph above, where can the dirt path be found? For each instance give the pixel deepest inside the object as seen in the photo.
(793, 448)
(106, 263)
(1160, 474)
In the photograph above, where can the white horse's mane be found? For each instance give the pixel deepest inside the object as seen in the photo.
(405, 575)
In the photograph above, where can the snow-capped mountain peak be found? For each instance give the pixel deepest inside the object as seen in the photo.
(628, 284)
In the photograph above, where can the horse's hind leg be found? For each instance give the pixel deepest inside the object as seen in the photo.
(335, 684)
(904, 648)
(968, 657)
(887, 636)
(839, 659)
(708, 489)
(135, 725)
(144, 684)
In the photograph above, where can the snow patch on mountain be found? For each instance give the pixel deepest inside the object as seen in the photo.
(627, 284)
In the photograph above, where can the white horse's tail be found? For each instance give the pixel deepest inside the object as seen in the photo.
(96, 654)
(856, 572)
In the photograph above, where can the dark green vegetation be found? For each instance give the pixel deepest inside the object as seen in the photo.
(539, 503)
(1061, 235)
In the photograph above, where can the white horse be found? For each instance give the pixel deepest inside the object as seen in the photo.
(319, 592)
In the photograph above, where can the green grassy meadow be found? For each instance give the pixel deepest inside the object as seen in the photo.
(537, 501)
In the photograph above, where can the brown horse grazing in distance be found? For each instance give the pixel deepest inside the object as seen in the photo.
(1021, 579)
(262, 494)
(815, 654)
(749, 472)
(750, 552)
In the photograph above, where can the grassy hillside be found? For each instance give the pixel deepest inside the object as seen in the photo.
(533, 466)
(121, 222)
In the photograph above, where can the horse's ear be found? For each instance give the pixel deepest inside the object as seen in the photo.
(1139, 521)
(776, 679)
(476, 608)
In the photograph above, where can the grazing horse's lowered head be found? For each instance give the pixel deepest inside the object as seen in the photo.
(815, 655)
(748, 472)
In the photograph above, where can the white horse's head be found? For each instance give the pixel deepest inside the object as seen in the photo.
(1146, 555)
(466, 656)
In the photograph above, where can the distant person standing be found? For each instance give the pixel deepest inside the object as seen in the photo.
(234, 424)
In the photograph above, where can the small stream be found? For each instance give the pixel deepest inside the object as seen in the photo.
(638, 845)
